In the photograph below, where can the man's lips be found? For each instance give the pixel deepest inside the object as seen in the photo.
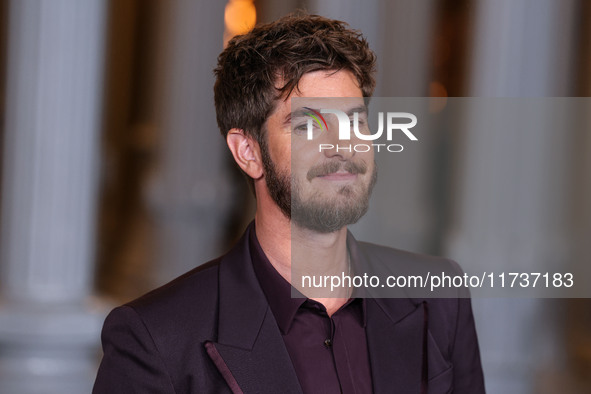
(339, 176)
(337, 171)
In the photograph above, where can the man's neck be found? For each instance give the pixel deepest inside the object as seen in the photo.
(294, 251)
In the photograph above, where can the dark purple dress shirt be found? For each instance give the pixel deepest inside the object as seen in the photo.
(329, 354)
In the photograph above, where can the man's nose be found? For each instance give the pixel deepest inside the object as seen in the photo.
(335, 148)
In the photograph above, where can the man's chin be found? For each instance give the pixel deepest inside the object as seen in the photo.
(320, 228)
(328, 218)
(338, 194)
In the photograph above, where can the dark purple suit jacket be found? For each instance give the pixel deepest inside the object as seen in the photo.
(211, 331)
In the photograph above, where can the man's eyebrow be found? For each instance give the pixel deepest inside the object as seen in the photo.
(362, 109)
(298, 113)
(302, 112)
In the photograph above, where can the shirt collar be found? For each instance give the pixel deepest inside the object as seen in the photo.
(278, 291)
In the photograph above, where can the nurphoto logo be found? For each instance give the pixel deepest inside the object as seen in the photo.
(395, 122)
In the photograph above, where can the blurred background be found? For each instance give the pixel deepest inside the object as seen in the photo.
(115, 179)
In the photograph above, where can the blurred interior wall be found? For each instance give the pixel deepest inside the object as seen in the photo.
(578, 311)
(129, 144)
(3, 54)
(168, 179)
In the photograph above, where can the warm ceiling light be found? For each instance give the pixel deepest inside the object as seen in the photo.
(240, 16)
(438, 94)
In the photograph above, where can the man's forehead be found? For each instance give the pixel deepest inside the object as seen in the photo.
(320, 89)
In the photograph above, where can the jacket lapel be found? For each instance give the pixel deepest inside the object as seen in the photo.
(249, 352)
(266, 367)
(395, 338)
(396, 330)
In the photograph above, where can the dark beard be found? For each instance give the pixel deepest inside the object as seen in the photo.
(278, 184)
(319, 216)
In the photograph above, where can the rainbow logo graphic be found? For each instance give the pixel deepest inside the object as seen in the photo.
(315, 115)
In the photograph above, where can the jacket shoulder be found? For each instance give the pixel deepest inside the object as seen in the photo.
(200, 281)
(149, 342)
(186, 307)
(404, 262)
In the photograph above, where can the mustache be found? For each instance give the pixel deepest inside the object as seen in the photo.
(334, 166)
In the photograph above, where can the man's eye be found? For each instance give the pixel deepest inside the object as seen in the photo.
(300, 129)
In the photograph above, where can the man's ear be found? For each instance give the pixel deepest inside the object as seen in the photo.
(246, 152)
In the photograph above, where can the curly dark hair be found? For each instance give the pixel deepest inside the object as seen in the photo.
(252, 65)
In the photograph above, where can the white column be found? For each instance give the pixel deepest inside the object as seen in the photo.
(510, 213)
(190, 192)
(49, 330)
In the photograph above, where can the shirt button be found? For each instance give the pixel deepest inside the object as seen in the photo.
(328, 343)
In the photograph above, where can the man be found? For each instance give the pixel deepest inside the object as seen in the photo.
(231, 325)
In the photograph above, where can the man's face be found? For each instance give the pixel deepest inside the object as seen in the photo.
(319, 190)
